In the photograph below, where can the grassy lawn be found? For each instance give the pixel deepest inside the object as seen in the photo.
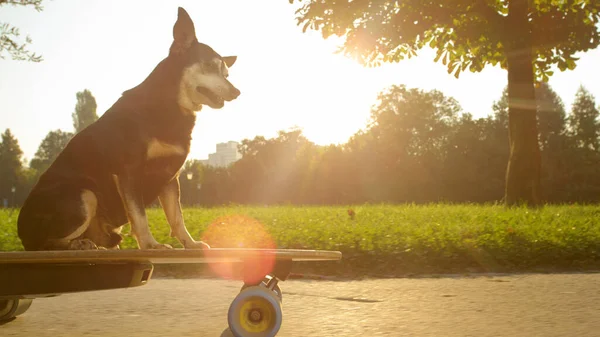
(396, 239)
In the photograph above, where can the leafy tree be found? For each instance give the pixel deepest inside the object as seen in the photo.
(500, 110)
(364, 169)
(9, 35)
(285, 177)
(27, 180)
(249, 173)
(85, 110)
(277, 170)
(551, 118)
(583, 121)
(553, 141)
(54, 142)
(190, 181)
(583, 159)
(551, 115)
(551, 126)
(216, 186)
(401, 152)
(10, 165)
(471, 169)
(524, 37)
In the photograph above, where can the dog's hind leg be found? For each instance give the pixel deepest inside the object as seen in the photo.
(169, 199)
(75, 240)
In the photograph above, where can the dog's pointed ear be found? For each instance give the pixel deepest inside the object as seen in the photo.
(184, 33)
(229, 60)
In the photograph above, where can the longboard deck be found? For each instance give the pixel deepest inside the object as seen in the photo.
(170, 256)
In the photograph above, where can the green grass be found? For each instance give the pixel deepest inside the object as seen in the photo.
(393, 239)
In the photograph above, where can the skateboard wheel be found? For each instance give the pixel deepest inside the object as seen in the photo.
(275, 289)
(255, 312)
(12, 308)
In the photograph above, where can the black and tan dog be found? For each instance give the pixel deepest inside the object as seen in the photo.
(110, 171)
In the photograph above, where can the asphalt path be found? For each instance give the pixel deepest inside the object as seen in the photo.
(506, 305)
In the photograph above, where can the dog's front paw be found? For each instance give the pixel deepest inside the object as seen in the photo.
(196, 245)
(82, 244)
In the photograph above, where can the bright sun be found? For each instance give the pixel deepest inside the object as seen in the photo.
(341, 98)
(307, 85)
(330, 101)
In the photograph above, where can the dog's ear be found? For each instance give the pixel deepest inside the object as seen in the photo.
(184, 33)
(229, 60)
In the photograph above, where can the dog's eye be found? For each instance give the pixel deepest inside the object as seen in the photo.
(224, 70)
(211, 66)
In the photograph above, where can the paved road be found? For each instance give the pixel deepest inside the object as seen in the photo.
(521, 305)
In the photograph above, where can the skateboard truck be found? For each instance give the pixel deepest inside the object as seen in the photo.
(281, 271)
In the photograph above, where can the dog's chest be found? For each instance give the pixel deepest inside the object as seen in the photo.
(160, 149)
(164, 159)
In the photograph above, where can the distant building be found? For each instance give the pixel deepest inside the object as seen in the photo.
(227, 154)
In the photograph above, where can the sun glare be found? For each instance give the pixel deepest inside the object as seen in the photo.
(348, 90)
(240, 231)
(339, 93)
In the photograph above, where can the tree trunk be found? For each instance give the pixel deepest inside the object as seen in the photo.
(523, 182)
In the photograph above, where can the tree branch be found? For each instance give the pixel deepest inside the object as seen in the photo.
(489, 13)
(36, 3)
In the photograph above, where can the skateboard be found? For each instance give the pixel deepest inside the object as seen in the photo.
(255, 311)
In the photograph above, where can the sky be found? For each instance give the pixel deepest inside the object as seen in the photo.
(287, 78)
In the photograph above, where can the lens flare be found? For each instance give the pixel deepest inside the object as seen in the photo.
(240, 231)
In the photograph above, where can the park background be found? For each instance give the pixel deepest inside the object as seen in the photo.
(383, 163)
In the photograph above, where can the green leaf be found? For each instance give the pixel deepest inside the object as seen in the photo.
(465, 65)
(457, 72)
(446, 58)
(306, 26)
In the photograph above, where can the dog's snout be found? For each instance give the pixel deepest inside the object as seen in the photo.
(235, 92)
(232, 93)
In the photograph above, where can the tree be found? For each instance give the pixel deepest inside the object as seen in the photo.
(471, 168)
(54, 142)
(551, 126)
(584, 156)
(272, 170)
(85, 110)
(551, 117)
(525, 37)
(583, 121)
(10, 166)
(9, 35)
(190, 180)
(411, 128)
(216, 186)
(402, 151)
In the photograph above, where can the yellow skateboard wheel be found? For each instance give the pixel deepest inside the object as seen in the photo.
(264, 283)
(255, 312)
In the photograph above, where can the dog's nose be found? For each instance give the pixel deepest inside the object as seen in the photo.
(236, 92)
